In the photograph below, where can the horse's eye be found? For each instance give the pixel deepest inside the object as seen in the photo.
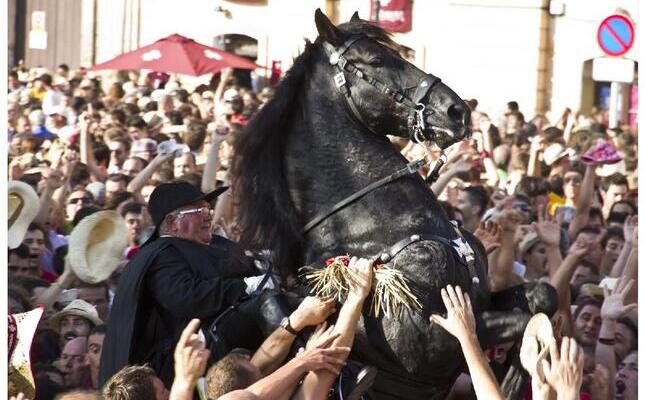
(376, 62)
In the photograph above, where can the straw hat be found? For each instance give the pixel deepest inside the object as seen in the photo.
(23, 208)
(22, 328)
(538, 335)
(78, 308)
(96, 245)
(555, 152)
(529, 240)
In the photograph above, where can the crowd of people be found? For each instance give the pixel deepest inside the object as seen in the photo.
(550, 200)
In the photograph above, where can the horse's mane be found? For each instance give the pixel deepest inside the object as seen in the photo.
(267, 216)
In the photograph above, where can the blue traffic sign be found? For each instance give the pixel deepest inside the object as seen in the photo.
(615, 35)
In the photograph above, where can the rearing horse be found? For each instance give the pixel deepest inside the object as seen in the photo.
(323, 138)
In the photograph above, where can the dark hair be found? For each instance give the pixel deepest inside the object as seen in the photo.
(132, 207)
(46, 79)
(119, 177)
(583, 301)
(59, 259)
(616, 217)
(175, 117)
(595, 212)
(227, 375)
(79, 174)
(553, 135)
(64, 67)
(532, 186)
(617, 179)
(613, 232)
(513, 106)
(118, 115)
(35, 226)
(21, 251)
(101, 154)
(98, 329)
(477, 195)
(151, 106)
(132, 382)
(84, 212)
(99, 285)
(626, 202)
(195, 135)
(136, 121)
(30, 283)
(20, 295)
(117, 199)
(632, 327)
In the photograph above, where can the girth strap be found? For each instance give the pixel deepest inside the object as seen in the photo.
(410, 169)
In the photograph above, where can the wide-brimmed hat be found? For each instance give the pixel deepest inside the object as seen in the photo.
(529, 240)
(538, 331)
(168, 197)
(23, 208)
(78, 308)
(555, 152)
(96, 245)
(22, 328)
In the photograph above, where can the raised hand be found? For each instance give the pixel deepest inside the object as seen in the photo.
(312, 311)
(459, 321)
(580, 248)
(321, 337)
(548, 230)
(490, 235)
(613, 307)
(191, 355)
(322, 357)
(362, 276)
(564, 371)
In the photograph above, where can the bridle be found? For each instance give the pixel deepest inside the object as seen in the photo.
(417, 112)
(416, 125)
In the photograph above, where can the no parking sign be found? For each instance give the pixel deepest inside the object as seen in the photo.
(616, 35)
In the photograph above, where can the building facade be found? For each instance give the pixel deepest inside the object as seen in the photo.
(536, 52)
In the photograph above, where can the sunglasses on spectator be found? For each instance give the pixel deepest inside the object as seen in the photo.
(205, 211)
(83, 200)
(572, 179)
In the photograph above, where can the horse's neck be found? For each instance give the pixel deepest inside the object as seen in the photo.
(330, 156)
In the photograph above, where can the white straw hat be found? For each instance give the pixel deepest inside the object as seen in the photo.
(96, 245)
(23, 208)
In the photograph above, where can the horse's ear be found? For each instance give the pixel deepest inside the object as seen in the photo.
(355, 17)
(326, 30)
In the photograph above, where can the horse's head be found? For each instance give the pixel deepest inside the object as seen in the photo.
(386, 93)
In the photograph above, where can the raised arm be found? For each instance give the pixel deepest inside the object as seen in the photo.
(584, 201)
(501, 273)
(87, 149)
(613, 307)
(560, 280)
(316, 385)
(312, 311)
(549, 233)
(144, 176)
(212, 162)
(460, 323)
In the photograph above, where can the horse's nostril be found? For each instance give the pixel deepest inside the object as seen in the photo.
(457, 113)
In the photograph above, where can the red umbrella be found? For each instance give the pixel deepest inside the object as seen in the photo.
(177, 54)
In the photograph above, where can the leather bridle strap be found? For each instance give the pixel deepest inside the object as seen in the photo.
(410, 169)
(417, 110)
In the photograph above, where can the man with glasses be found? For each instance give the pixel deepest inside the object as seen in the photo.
(177, 276)
(77, 200)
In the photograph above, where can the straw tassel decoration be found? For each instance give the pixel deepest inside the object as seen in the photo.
(390, 290)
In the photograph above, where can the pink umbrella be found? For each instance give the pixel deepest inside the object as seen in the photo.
(177, 54)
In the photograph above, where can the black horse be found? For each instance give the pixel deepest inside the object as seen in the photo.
(323, 138)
